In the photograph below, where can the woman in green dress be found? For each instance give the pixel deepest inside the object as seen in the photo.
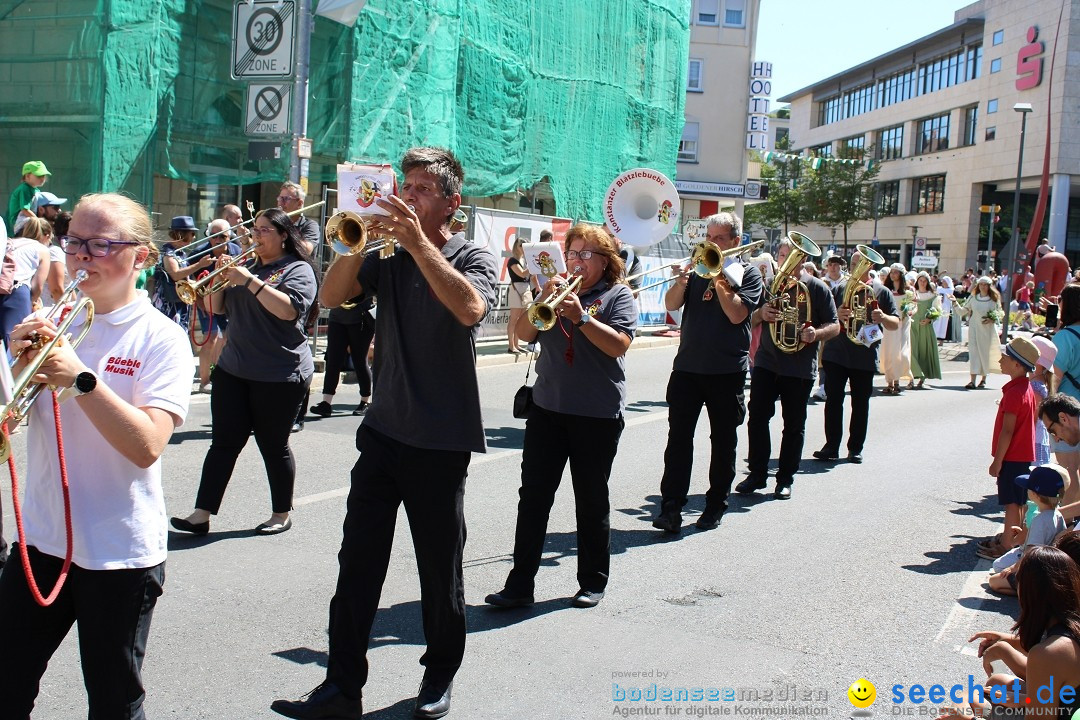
(924, 351)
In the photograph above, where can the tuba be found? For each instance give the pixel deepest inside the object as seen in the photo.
(858, 296)
(791, 297)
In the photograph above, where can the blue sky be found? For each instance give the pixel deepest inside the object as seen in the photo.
(807, 41)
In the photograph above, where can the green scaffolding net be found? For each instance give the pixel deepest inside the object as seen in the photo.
(111, 93)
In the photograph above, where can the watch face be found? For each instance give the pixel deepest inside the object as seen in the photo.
(85, 382)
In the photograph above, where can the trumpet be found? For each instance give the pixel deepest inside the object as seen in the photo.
(25, 390)
(708, 258)
(543, 315)
(348, 234)
(190, 291)
(58, 310)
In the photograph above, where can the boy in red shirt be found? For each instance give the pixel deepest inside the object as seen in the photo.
(1014, 437)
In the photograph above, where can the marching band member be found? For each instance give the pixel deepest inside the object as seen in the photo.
(789, 377)
(417, 437)
(846, 361)
(577, 415)
(130, 385)
(710, 370)
(263, 372)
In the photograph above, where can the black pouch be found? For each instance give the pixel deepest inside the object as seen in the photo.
(523, 400)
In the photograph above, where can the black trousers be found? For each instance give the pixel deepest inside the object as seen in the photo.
(431, 484)
(551, 439)
(237, 407)
(723, 398)
(837, 378)
(793, 392)
(348, 340)
(112, 611)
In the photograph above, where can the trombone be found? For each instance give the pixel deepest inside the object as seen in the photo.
(542, 315)
(189, 291)
(192, 256)
(24, 390)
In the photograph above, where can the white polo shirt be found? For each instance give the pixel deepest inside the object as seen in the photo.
(117, 508)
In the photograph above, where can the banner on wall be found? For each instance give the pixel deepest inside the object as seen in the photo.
(500, 229)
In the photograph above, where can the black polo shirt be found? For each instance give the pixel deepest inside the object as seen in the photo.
(799, 364)
(711, 344)
(841, 350)
(425, 360)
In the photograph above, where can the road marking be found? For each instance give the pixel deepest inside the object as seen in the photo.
(962, 619)
(479, 459)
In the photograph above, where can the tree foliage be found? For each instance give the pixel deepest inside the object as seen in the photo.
(842, 191)
(784, 205)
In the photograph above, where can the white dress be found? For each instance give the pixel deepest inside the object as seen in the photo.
(941, 325)
(982, 337)
(896, 344)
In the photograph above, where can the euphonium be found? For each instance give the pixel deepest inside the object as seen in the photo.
(542, 315)
(858, 296)
(791, 297)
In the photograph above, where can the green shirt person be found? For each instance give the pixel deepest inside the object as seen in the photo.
(34, 176)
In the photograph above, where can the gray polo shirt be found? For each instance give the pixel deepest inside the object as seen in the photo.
(309, 230)
(711, 344)
(427, 394)
(799, 364)
(857, 356)
(262, 347)
(594, 384)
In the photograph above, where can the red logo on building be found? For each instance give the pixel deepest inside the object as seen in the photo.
(1029, 66)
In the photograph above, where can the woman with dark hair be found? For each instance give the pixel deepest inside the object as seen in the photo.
(577, 415)
(1067, 373)
(896, 344)
(1044, 652)
(519, 296)
(925, 362)
(262, 373)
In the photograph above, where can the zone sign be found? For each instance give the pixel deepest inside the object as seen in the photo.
(263, 39)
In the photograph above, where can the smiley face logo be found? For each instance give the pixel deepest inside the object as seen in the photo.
(862, 693)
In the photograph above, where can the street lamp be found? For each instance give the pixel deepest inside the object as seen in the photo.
(914, 242)
(1023, 109)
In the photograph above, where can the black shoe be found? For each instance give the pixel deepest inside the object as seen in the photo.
(750, 485)
(297, 427)
(433, 700)
(190, 527)
(587, 598)
(855, 458)
(782, 492)
(326, 702)
(826, 454)
(361, 409)
(323, 409)
(709, 518)
(670, 521)
(507, 599)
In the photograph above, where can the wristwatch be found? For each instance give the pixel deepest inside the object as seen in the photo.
(586, 318)
(85, 382)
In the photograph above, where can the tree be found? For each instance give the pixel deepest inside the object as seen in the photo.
(841, 191)
(784, 204)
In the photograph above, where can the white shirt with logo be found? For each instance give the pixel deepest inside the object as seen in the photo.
(117, 508)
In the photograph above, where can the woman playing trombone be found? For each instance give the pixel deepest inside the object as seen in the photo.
(579, 397)
(130, 385)
(264, 370)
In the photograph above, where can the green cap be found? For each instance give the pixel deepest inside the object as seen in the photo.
(36, 167)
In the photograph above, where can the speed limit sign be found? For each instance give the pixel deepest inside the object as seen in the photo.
(263, 33)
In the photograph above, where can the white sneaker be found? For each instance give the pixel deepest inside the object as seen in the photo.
(820, 393)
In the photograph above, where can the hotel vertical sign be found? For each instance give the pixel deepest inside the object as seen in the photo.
(757, 120)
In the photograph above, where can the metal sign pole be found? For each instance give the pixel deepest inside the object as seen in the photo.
(298, 167)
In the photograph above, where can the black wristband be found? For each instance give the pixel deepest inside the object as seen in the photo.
(250, 278)
(261, 286)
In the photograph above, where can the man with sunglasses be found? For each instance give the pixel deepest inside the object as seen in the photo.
(710, 370)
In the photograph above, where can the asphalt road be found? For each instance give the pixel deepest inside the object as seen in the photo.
(869, 571)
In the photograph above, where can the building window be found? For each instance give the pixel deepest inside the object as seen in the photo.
(821, 151)
(708, 12)
(991, 133)
(929, 195)
(831, 110)
(891, 143)
(782, 133)
(932, 134)
(852, 147)
(693, 76)
(896, 88)
(733, 13)
(999, 37)
(859, 101)
(888, 198)
(952, 69)
(688, 146)
(995, 65)
(971, 120)
(991, 106)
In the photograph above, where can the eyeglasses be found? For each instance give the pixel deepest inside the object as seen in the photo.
(286, 198)
(262, 231)
(97, 247)
(575, 255)
(1050, 430)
